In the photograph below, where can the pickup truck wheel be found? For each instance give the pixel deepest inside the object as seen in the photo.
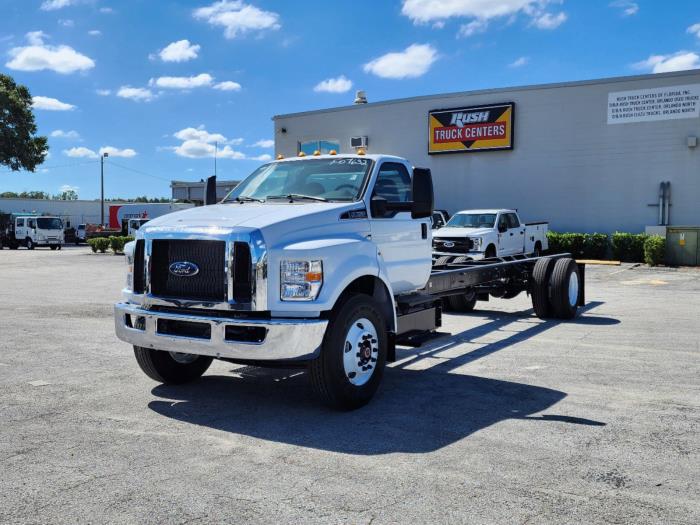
(490, 252)
(564, 285)
(53, 248)
(462, 303)
(539, 287)
(538, 250)
(353, 354)
(171, 368)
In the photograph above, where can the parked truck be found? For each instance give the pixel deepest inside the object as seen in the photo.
(320, 262)
(483, 234)
(31, 230)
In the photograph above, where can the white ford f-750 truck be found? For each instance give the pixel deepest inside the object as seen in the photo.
(483, 234)
(322, 262)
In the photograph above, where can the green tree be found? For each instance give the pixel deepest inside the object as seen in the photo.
(20, 148)
(67, 195)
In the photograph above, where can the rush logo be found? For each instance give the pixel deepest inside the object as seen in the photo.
(461, 119)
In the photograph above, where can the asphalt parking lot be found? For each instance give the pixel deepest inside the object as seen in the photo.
(508, 420)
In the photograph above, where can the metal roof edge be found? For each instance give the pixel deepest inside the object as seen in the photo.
(529, 87)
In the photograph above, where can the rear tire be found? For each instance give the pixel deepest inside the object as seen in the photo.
(356, 338)
(564, 285)
(539, 287)
(538, 250)
(161, 366)
(462, 303)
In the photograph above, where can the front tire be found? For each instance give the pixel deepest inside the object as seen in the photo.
(171, 368)
(29, 244)
(347, 373)
(53, 248)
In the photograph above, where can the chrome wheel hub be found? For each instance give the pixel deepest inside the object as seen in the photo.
(360, 352)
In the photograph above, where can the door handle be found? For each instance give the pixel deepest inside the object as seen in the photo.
(511, 234)
(424, 230)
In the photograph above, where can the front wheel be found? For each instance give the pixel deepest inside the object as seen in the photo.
(53, 248)
(171, 368)
(353, 355)
(30, 244)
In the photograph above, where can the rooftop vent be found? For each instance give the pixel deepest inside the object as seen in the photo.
(360, 97)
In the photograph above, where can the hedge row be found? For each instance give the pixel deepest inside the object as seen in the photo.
(626, 247)
(100, 244)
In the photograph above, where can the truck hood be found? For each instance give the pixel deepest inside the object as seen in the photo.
(247, 215)
(461, 232)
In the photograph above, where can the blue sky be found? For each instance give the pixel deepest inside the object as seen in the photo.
(157, 83)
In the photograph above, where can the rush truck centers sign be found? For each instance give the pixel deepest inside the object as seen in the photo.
(477, 128)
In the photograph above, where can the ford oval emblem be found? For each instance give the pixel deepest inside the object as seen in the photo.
(183, 269)
(448, 244)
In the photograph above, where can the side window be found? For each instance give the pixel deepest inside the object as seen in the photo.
(20, 223)
(513, 221)
(31, 223)
(503, 221)
(393, 183)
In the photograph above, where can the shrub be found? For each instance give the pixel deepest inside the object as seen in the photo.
(99, 244)
(628, 247)
(654, 250)
(117, 243)
(595, 246)
(572, 243)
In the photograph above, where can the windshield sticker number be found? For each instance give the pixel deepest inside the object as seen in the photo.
(350, 162)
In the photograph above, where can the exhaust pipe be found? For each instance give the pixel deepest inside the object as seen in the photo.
(210, 191)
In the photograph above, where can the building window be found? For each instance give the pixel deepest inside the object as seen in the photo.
(324, 146)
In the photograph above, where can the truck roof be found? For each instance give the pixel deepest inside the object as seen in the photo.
(492, 210)
(370, 156)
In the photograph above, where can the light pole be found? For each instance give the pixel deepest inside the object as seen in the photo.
(102, 187)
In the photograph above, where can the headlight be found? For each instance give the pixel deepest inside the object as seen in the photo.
(129, 258)
(300, 280)
(476, 243)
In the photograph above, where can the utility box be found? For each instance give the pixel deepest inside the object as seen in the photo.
(682, 245)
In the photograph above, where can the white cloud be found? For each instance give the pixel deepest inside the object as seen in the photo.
(66, 22)
(695, 30)
(80, 152)
(334, 85)
(227, 85)
(478, 25)
(264, 143)
(51, 104)
(180, 51)
(201, 80)
(627, 7)
(424, 11)
(94, 32)
(412, 62)
(237, 17)
(549, 21)
(68, 187)
(137, 94)
(38, 56)
(480, 11)
(265, 157)
(52, 5)
(106, 10)
(60, 134)
(116, 152)
(520, 62)
(103, 92)
(199, 143)
(680, 61)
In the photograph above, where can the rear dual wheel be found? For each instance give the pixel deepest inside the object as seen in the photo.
(555, 288)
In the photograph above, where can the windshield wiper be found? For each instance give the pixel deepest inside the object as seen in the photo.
(298, 196)
(247, 199)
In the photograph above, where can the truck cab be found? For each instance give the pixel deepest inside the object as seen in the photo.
(33, 231)
(488, 233)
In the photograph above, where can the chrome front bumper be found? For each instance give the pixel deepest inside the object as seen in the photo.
(472, 256)
(284, 339)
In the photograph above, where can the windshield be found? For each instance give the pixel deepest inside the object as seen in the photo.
(338, 179)
(472, 220)
(49, 223)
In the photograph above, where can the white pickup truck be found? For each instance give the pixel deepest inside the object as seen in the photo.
(485, 234)
(323, 262)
